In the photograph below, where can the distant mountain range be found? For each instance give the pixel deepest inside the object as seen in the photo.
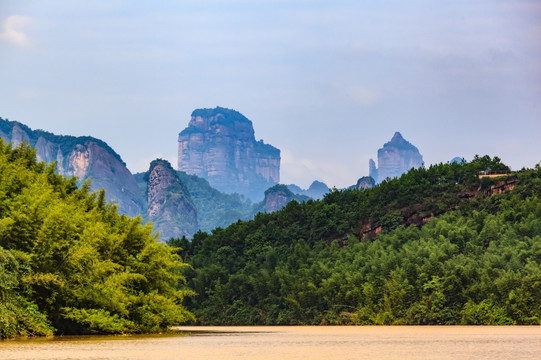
(222, 170)
(316, 190)
(178, 203)
(175, 197)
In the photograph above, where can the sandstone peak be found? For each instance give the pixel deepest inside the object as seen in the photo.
(170, 206)
(220, 114)
(399, 142)
(219, 145)
(395, 158)
(227, 122)
(397, 136)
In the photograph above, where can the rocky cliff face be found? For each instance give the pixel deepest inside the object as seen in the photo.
(219, 145)
(279, 196)
(82, 157)
(366, 182)
(395, 158)
(170, 206)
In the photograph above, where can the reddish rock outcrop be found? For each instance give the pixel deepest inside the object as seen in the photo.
(502, 187)
(370, 230)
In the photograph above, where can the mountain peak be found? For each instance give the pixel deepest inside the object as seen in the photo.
(219, 114)
(397, 137)
(170, 205)
(219, 145)
(395, 158)
(399, 142)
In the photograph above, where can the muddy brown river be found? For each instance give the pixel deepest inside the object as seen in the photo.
(295, 342)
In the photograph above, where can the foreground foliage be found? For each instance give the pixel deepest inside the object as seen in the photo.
(70, 264)
(451, 251)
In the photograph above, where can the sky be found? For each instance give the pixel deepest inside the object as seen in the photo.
(326, 82)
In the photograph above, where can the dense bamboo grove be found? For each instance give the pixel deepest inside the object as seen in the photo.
(70, 264)
(453, 249)
(477, 261)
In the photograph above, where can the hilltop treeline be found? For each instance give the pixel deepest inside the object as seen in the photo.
(70, 264)
(439, 245)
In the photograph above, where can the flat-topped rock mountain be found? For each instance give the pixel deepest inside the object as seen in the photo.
(394, 159)
(219, 145)
(83, 157)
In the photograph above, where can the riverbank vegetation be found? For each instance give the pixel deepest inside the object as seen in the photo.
(70, 264)
(439, 245)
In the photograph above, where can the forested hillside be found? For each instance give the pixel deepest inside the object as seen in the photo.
(437, 246)
(70, 264)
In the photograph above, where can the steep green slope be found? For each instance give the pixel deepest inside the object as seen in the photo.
(215, 209)
(69, 263)
(437, 246)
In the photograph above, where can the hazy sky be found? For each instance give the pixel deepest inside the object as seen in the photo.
(327, 82)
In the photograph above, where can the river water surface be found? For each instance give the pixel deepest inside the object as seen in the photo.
(295, 342)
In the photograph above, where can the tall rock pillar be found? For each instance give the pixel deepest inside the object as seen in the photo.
(219, 145)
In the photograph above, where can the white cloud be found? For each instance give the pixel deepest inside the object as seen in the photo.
(14, 30)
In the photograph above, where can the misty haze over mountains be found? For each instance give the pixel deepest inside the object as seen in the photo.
(223, 173)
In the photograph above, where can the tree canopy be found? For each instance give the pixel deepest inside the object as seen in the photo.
(71, 264)
(439, 245)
